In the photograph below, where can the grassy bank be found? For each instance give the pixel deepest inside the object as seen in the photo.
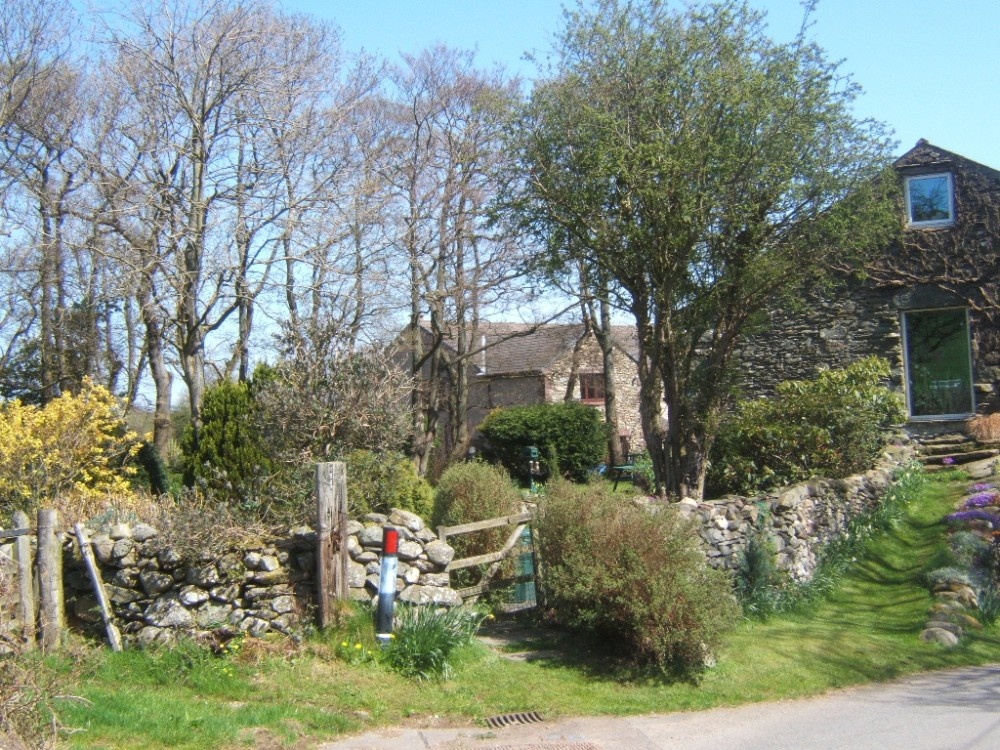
(271, 695)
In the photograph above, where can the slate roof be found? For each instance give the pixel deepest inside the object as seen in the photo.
(926, 155)
(523, 348)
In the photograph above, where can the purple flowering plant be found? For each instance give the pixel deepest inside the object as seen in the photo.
(981, 487)
(981, 500)
(975, 515)
(948, 460)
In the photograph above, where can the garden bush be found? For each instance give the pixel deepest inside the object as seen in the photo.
(475, 491)
(570, 435)
(75, 448)
(832, 426)
(379, 482)
(229, 460)
(634, 576)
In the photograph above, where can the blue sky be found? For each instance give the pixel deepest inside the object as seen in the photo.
(929, 69)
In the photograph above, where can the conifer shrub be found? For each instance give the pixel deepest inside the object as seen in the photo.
(228, 459)
(634, 576)
(379, 482)
(832, 426)
(572, 436)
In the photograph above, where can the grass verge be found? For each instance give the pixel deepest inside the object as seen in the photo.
(283, 695)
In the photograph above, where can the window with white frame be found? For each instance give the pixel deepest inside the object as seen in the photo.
(929, 200)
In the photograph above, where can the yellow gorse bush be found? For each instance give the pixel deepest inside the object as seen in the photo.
(74, 448)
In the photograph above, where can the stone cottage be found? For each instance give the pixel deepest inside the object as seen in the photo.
(930, 303)
(523, 364)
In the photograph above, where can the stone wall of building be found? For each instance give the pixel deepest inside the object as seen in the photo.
(589, 360)
(829, 332)
(856, 320)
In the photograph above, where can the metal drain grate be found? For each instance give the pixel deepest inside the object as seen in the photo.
(509, 720)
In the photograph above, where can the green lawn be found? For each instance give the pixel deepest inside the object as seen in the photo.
(279, 694)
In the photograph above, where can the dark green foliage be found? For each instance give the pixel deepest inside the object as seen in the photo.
(228, 458)
(570, 434)
(635, 576)
(832, 426)
(156, 471)
(379, 482)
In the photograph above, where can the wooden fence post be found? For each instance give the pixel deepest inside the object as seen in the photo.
(50, 580)
(25, 580)
(331, 537)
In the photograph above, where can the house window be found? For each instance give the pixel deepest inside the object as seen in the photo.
(938, 363)
(592, 386)
(929, 201)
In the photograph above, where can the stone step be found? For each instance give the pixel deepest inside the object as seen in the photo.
(941, 449)
(947, 437)
(959, 459)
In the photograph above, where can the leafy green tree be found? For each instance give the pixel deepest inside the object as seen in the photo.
(707, 171)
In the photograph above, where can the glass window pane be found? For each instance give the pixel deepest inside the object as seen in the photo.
(939, 376)
(930, 198)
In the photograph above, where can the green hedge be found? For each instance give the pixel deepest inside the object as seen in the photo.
(571, 436)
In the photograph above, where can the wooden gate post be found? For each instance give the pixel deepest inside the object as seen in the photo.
(331, 537)
(25, 580)
(50, 587)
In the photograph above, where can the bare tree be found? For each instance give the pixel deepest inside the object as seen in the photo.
(449, 118)
(211, 125)
(61, 309)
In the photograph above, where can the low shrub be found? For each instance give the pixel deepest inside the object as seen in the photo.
(476, 491)
(425, 639)
(379, 482)
(570, 435)
(632, 575)
(945, 576)
(76, 449)
(970, 549)
(832, 426)
(757, 581)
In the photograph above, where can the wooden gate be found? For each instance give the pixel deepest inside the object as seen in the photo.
(36, 598)
(518, 545)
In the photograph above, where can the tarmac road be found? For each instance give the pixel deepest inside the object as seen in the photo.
(950, 710)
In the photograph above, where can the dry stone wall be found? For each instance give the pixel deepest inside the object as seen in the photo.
(799, 519)
(157, 592)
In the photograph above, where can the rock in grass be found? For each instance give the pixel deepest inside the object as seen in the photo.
(939, 635)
